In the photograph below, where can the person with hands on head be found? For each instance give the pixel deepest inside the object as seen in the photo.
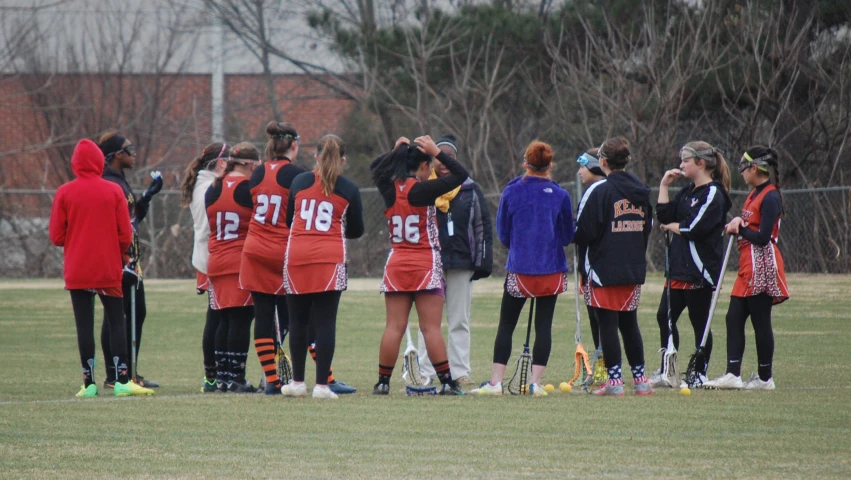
(466, 249)
(413, 274)
(695, 220)
(91, 222)
(761, 282)
(590, 174)
(120, 154)
(535, 221)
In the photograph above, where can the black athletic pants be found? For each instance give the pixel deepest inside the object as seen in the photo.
(208, 342)
(595, 326)
(509, 315)
(319, 311)
(627, 322)
(265, 305)
(758, 308)
(128, 283)
(698, 302)
(83, 303)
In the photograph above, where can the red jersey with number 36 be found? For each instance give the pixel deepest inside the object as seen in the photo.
(228, 228)
(414, 263)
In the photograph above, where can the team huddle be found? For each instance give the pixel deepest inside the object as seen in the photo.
(271, 248)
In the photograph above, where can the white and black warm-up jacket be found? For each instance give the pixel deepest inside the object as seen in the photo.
(697, 252)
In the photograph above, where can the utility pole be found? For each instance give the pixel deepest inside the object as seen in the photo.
(217, 83)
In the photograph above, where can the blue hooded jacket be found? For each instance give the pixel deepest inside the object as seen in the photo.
(535, 221)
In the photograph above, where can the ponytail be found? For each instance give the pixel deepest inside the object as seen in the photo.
(721, 172)
(330, 164)
(211, 152)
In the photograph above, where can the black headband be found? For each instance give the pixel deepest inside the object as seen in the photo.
(112, 145)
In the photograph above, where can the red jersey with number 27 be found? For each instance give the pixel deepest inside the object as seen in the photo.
(228, 229)
(414, 262)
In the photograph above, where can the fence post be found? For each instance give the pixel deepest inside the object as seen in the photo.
(152, 233)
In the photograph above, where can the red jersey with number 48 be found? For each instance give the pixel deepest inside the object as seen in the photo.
(228, 225)
(414, 263)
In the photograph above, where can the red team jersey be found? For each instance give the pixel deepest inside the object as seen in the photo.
(228, 229)
(266, 245)
(316, 255)
(761, 268)
(414, 262)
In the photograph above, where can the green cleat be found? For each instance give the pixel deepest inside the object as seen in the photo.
(130, 389)
(88, 392)
(208, 386)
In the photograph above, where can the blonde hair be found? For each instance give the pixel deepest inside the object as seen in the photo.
(330, 163)
(714, 161)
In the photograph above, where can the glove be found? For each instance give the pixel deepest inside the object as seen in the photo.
(154, 188)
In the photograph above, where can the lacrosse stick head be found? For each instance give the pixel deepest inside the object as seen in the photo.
(283, 366)
(412, 376)
(420, 391)
(696, 364)
(523, 370)
(582, 366)
(670, 372)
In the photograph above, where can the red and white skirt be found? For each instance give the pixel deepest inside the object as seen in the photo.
(531, 286)
(225, 292)
(315, 278)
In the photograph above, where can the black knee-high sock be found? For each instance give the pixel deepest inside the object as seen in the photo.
(117, 340)
(699, 301)
(239, 340)
(608, 321)
(678, 304)
(129, 282)
(299, 313)
(509, 313)
(104, 345)
(82, 303)
(737, 315)
(544, 311)
(323, 315)
(632, 342)
(208, 343)
(595, 326)
(760, 307)
(223, 363)
(264, 334)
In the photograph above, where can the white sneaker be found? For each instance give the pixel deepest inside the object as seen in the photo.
(756, 383)
(293, 390)
(322, 391)
(537, 390)
(657, 380)
(488, 389)
(726, 382)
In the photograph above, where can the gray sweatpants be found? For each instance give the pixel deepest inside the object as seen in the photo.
(459, 295)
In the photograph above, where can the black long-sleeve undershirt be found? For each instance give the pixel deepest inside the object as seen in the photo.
(769, 212)
(342, 187)
(424, 193)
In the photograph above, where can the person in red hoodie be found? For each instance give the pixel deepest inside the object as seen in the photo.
(91, 221)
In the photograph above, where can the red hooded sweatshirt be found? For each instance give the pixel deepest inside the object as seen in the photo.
(91, 221)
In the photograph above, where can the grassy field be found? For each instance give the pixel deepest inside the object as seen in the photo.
(799, 430)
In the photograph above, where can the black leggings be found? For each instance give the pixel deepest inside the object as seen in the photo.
(83, 303)
(265, 305)
(233, 339)
(208, 342)
(509, 314)
(317, 310)
(627, 322)
(697, 301)
(758, 308)
(128, 283)
(595, 326)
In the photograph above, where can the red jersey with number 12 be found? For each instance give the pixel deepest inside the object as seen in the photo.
(228, 229)
(414, 263)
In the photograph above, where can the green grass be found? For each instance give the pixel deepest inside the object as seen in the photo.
(799, 430)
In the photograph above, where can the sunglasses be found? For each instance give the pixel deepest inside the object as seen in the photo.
(128, 150)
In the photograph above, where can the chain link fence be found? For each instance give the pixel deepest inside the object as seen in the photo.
(815, 234)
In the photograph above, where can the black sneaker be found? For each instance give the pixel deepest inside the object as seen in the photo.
(221, 387)
(243, 386)
(144, 382)
(272, 389)
(108, 384)
(208, 386)
(381, 389)
(451, 389)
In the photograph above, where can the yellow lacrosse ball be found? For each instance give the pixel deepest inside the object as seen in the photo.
(685, 391)
(564, 387)
(549, 388)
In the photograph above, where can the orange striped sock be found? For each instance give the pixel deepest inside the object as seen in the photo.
(266, 354)
(312, 349)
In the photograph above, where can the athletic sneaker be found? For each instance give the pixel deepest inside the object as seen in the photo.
(644, 388)
(451, 389)
(463, 380)
(610, 389)
(88, 392)
(726, 382)
(536, 390)
(324, 391)
(657, 380)
(144, 382)
(381, 389)
(131, 389)
(222, 387)
(488, 389)
(243, 386)
(208, 386)
(341, 388)
(293, 390)
(272, 389)
(756, 383)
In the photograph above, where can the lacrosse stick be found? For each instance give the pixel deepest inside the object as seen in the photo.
(582, 366)
(282, 362)
(416, 384)
(692, 376)
(133, 328)
(517, 385)
(670, 374)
